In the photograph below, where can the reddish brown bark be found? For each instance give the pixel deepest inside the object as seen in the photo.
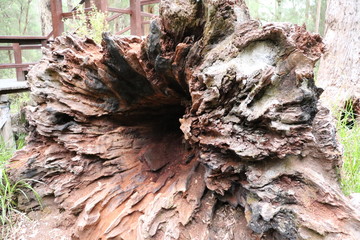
(253, 157)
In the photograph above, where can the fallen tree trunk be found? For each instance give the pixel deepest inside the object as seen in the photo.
(253, 157)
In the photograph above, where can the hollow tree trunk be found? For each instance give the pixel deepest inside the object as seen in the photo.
(253, 156)
(339, 69)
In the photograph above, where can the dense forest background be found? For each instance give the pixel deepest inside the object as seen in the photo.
(22, 17)
(309, 12)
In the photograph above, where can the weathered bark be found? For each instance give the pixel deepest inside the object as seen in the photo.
(339, 69)
(253, 157)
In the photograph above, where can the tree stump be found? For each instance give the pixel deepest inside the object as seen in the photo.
(209, 128)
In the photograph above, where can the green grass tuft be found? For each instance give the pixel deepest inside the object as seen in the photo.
(21, 141)
(349, 136)
(9, 190)
(5, 153)
(18, 100)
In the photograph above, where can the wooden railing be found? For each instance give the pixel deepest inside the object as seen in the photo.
(20, 43)
(135, 11)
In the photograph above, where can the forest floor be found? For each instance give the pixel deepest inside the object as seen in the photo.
(35, 225)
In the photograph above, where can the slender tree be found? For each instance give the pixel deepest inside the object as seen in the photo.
(318, 15)
(26, 20)
(307, 9)
(278, 9)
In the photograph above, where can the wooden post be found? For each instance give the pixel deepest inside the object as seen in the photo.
(87, 3)
(56, 11)
(6, 132)
(44, 43)
(135, 17)
(20, 76)
(101, 5)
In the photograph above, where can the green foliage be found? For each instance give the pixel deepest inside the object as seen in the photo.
(5, 153)
(9, 190)
(18, 100)
(7, 73)
(298, 12)
(18, 17)
(8, 193)
(31, 55)
(21, 141)
(89, 24)
(349, 136)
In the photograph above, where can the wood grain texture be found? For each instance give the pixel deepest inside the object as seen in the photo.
(209, 128)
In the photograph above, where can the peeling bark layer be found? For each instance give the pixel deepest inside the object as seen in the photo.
(253, 155)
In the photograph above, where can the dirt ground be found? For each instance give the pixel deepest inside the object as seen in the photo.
(47, 224)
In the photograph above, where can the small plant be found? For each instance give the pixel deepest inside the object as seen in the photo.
(8, 193)
(21, 141)
(349, 136)
(88, 23)
(9, 189)
(5, 153)
(18, 100)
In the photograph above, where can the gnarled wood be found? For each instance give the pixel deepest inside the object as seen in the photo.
(253, 157)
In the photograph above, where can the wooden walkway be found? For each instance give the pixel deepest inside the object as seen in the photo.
(12, 86)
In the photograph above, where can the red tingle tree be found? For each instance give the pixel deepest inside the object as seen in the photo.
(208, 128)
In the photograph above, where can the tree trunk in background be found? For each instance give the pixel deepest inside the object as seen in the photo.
(256, 13)
(318, 15)
(10, 55)
(26, 20)
(339, 69)
(70, 5)
(45, 15)
(278, 10)
(149, 9)
(209, 128)
(307, 9)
